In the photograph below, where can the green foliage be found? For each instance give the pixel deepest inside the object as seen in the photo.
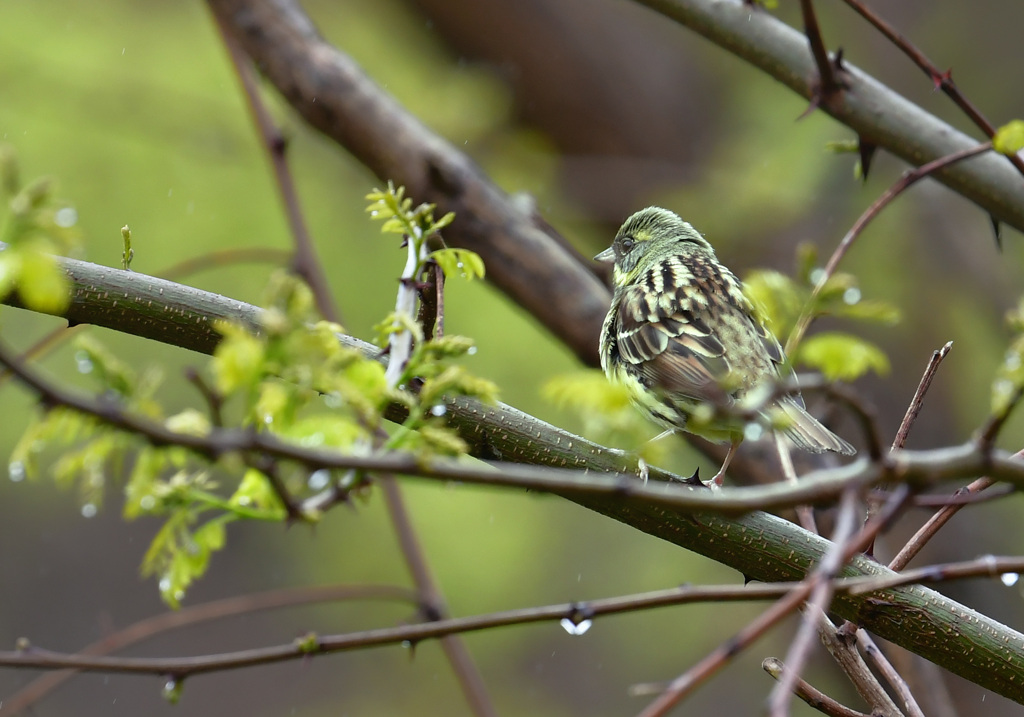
(395, 210)
(606, 410)
(292, 378)
(842, 357)
(781, 300)
(412, 356)
(419, 226)
(178, 554)
(459, 262)
(36, 227)
(1009, 379)
(1009, 139)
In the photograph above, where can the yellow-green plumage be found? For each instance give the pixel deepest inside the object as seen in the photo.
(681, 334)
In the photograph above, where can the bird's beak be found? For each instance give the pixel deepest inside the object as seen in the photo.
(607, 256)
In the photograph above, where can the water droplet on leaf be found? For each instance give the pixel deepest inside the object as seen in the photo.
(83, 362)
(66, 217)
(753, 432)
(318, 480)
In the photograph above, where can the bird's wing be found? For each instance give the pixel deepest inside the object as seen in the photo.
(670, 345)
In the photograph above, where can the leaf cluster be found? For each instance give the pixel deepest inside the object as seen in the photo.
(292, 378)
(35, 227)
(781, 300)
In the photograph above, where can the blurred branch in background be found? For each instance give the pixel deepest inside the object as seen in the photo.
(528, 259)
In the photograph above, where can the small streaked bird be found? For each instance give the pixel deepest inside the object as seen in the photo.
(682, 337)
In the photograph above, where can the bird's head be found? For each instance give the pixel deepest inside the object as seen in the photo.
(650, 233)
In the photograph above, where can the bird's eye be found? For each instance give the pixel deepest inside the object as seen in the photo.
(627, 243)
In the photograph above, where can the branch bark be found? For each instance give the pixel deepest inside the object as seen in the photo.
(877, 114)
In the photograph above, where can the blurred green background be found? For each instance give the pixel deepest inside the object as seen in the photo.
(595, 109)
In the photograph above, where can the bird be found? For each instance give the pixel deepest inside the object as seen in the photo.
(687, 343)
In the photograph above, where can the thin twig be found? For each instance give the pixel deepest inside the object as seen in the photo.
(804, 513)
(817, 604)
(197, 614)
(942, 80)
(29, 656)
(812, 696)
(844, 651)
(915, 403)
(304, 261)
(912, 412)
(909, 178)
(920, 469)
(985, 566)
(961, 497)
(927, 531)
(889, 672)
(433, 602)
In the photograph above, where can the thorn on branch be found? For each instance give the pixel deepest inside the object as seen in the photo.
(695, 480)
(942, 79)
(997, 231)
(278, 143)
(867, 151)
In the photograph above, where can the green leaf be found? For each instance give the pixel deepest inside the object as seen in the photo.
(1009, 139)
(438, 439)
(10, 270)
(178, 557)
(325, 430)
(112, 373)
(588, 391)
(255, 491)
(394, 225)
(843, 146)
(777, 298)
(874, 310)
(1009, 378)
(842, 357)
(42, 284)
(141, 495)
(189, 421)
(238, 359)
(454, 380)
(275, 405)
(444, 221)
(459, 262)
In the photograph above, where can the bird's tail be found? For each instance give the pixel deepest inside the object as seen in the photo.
(806, 432)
